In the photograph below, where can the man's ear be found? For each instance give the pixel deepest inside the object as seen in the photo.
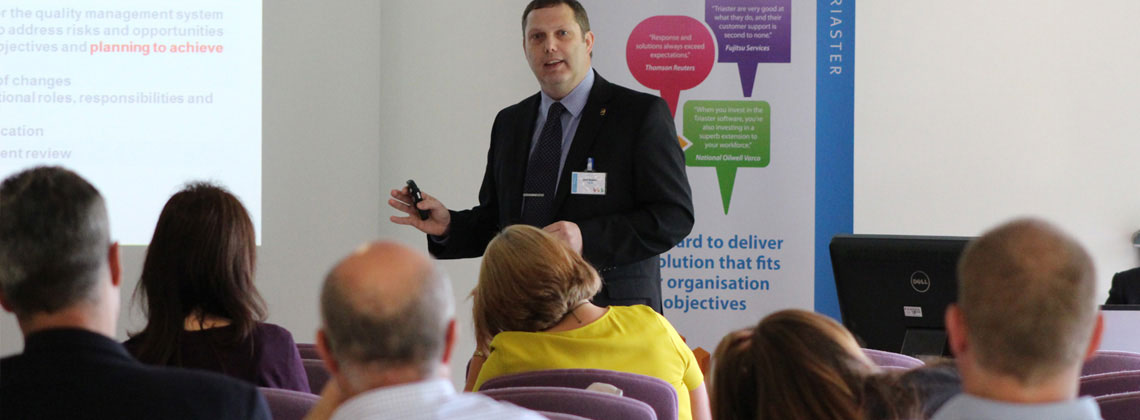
(449, 341)
(956, 331)
(1097, 334)
(589, 38)
(325, 352)
(115, 265)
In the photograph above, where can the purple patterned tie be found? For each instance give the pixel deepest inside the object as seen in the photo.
(542, 171)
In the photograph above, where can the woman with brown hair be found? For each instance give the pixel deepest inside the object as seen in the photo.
(798, 365)
(532, 311)
(202, 308)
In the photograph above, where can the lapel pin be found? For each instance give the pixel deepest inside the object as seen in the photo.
(603, 112)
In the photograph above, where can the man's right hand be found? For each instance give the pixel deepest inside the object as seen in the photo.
(436, 224)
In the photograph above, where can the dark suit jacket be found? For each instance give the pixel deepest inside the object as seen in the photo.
(647, 208)
(78, 374)
(1125, 288)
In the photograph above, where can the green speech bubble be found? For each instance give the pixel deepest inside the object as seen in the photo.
(728, 135)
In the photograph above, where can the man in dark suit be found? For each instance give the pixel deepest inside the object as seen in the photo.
(596, 164)
(60, 275)
(1125, 288)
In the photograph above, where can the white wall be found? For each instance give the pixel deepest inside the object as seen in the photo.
(968, 113)
(321, 149)
(449, 67)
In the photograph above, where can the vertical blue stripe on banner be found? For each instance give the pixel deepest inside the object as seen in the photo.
(834, 139)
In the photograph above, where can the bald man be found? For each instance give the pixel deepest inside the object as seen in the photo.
(1025, 321)
(387, 335)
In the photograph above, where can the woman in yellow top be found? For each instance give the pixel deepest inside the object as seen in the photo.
(532, 311)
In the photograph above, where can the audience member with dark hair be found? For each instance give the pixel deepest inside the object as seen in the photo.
(534, 293)
(387, 335)
(60, 275)
(202, 308)
(1025, 321)
(934, 384)
(799, 365)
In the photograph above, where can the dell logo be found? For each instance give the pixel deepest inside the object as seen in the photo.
(919, 281)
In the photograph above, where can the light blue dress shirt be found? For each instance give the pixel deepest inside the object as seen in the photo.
(574, 102)
(969, 407)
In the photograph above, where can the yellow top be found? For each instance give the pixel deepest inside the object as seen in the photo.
(627, 339)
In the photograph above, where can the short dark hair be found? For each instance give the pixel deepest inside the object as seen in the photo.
(200, 260)
(410, 335)
(54, 238)
(579, 12)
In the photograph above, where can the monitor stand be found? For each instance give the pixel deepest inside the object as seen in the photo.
(919, 342)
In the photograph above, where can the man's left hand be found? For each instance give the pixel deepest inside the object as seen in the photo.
(568, 232)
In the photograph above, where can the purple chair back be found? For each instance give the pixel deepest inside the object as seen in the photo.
(285, 404)
(308, 351)
(1111, 361)
(650, 390)
(578, 402)
(888, 359)
(560, 416)
(1110, 383)
(898, 369)
(1119, 406)
(318, 375)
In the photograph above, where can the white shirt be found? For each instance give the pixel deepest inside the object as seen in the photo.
(433, 399)
(969, 407)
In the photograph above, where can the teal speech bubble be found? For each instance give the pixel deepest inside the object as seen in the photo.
(728, 135)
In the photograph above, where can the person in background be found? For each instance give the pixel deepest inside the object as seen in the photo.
(60, 274)
(799, 365)
(1025, 321)
(532, 311)
(203, 310)
(934, 383)
(1125, 288)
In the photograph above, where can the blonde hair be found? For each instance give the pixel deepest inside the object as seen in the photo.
(528, 281)
(1026, 293)
(799, 365)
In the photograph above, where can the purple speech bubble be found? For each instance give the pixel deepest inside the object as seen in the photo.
(749, 32)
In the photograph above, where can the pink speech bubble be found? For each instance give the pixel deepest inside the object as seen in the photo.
(670, 54)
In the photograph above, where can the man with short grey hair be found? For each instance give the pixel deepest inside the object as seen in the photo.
(1025, 321)
(60, 275)
(387, 335)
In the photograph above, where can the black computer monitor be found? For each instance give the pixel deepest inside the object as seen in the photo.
(893, 289)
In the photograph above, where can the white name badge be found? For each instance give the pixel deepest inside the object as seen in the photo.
(588, 183)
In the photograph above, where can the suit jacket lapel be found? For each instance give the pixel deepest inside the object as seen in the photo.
(519, 154)
(588, 128)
